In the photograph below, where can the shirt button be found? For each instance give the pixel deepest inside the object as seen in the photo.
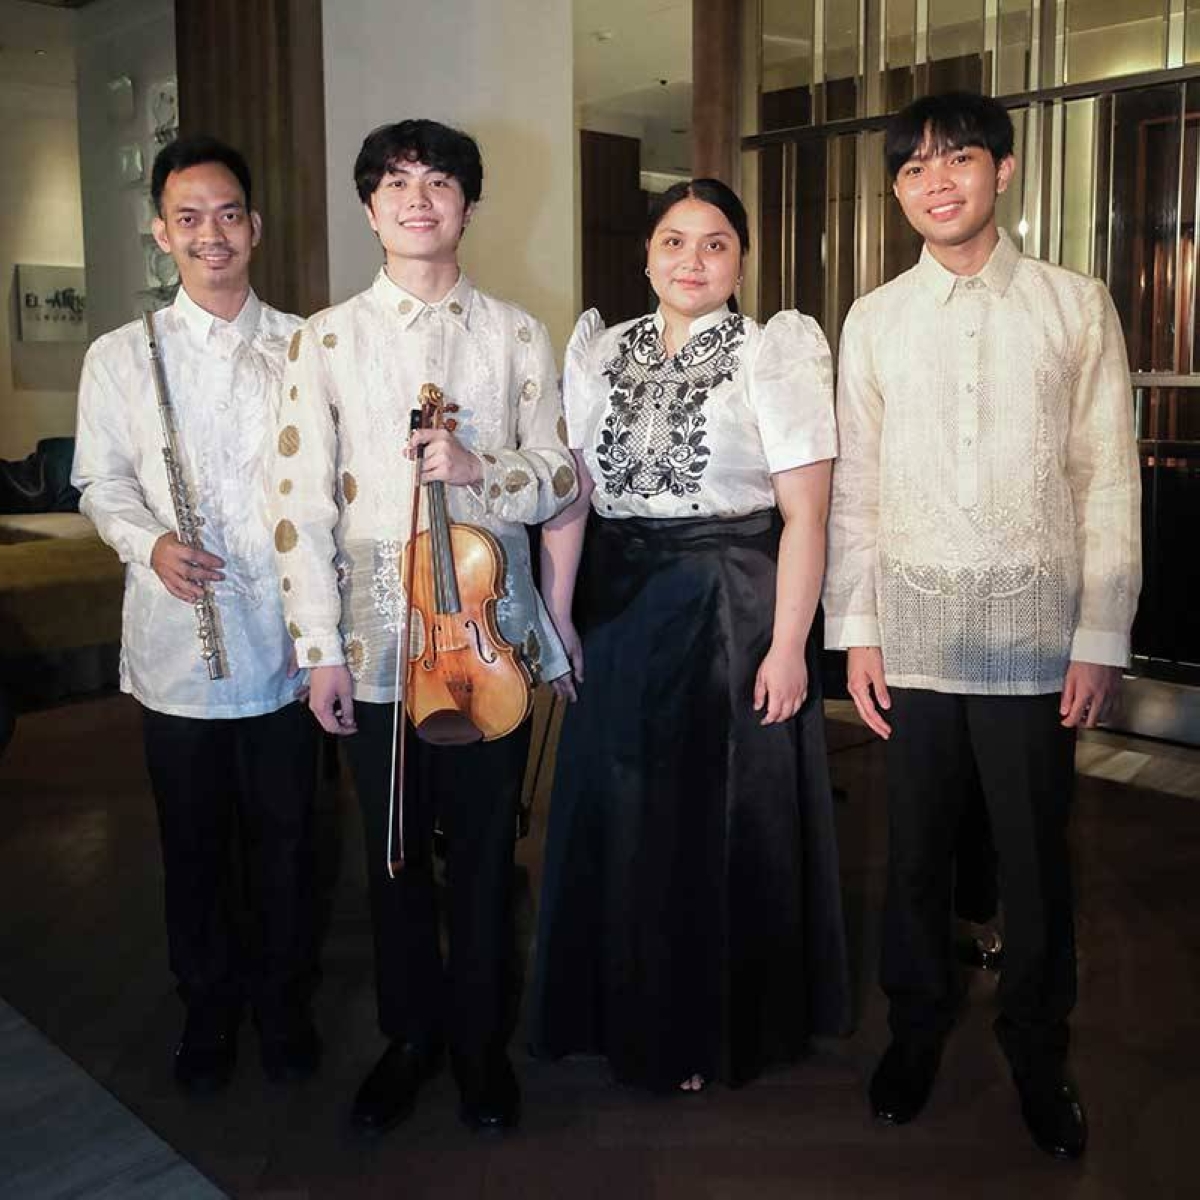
(970, 333)
(405, 307)
(970, 388)
(968, 443)
(456, 308)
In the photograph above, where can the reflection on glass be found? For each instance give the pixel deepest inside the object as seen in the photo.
(1191, 41)
(841, 60)
(1145, 223)
(791, 233)
(1010, 204)
(1189, 199)
(956, 45)
(1014, 40)
(1106, 39)
(808, 264)
(840, 229)
(787, 63)
(900, 51)
(770, 231)
(1169, 428)
(1077, 249)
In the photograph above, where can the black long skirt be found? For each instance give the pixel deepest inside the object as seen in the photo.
(691, 916)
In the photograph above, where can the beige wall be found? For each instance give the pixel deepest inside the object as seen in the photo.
(503, 73)
(39, 223)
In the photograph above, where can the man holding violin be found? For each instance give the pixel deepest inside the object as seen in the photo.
(342, 519)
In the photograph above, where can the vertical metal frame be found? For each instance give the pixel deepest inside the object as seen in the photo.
(1176, 15)
(991, 46)
(1176, 364)
(921, 50)
(787, 241)
(818, 83)
(1189, 367)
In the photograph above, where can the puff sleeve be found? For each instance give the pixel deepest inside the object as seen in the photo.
(791, 391)
(577, 382)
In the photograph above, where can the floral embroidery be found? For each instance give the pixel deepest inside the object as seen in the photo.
(387, 591)
(654, 437)
(358, 657)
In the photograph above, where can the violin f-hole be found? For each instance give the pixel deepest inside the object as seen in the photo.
(481, 646)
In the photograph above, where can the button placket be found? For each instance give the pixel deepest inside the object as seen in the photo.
(968, 409)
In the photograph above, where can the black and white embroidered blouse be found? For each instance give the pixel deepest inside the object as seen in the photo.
(699, 433)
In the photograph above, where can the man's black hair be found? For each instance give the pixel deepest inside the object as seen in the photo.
(192, 151)
(711, 191)
(950, 121)
(437, 146)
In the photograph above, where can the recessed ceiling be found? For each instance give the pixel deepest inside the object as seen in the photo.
(37, 46)
(633, 75)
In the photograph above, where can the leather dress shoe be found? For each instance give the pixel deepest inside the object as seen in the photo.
(491, 1099)
(1054, 1115)
(293, 1057)
(204, 1058)
(389, 1092)
(984, 949)
(903, 1080)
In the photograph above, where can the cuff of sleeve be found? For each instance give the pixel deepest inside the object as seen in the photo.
(141, 545)
(319, 649)
(1100, 647)
(843, 632)
(491, 487)
(803, 456)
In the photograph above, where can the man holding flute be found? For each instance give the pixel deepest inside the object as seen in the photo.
(173, 475)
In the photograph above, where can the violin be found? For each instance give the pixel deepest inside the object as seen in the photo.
(462, 681)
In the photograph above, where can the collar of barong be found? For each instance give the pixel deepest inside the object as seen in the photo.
(996, 275)
(202, 324)
(454, 306)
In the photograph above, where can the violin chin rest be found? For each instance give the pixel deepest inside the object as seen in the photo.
(449, 727)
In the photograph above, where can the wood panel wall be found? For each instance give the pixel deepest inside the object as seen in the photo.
(251, 74)
(613, 212)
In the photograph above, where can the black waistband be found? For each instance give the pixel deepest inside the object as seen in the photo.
(685, 530)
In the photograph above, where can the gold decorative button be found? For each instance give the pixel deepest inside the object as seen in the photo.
(405, 307)
(523, 334)
(455, 308)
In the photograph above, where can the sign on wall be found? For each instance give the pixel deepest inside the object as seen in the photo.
(51, 304)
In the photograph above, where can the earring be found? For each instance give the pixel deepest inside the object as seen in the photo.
(739, 281)
(647, 272)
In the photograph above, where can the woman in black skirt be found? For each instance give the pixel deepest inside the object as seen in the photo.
(691, 926)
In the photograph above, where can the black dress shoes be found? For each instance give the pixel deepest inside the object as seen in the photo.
(389, 1092)
(903, 1080)
(293, 1057)
(204, 1058)
(979, 946)
(491, 1099)
(1053, 1115)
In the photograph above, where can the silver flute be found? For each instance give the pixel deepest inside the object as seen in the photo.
(187, 521)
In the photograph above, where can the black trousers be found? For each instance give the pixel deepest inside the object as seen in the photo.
(976, 891)
(1025, 763)
(472, 792)
(254, 776)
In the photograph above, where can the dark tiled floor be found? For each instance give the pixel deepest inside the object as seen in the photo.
(82, 956)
